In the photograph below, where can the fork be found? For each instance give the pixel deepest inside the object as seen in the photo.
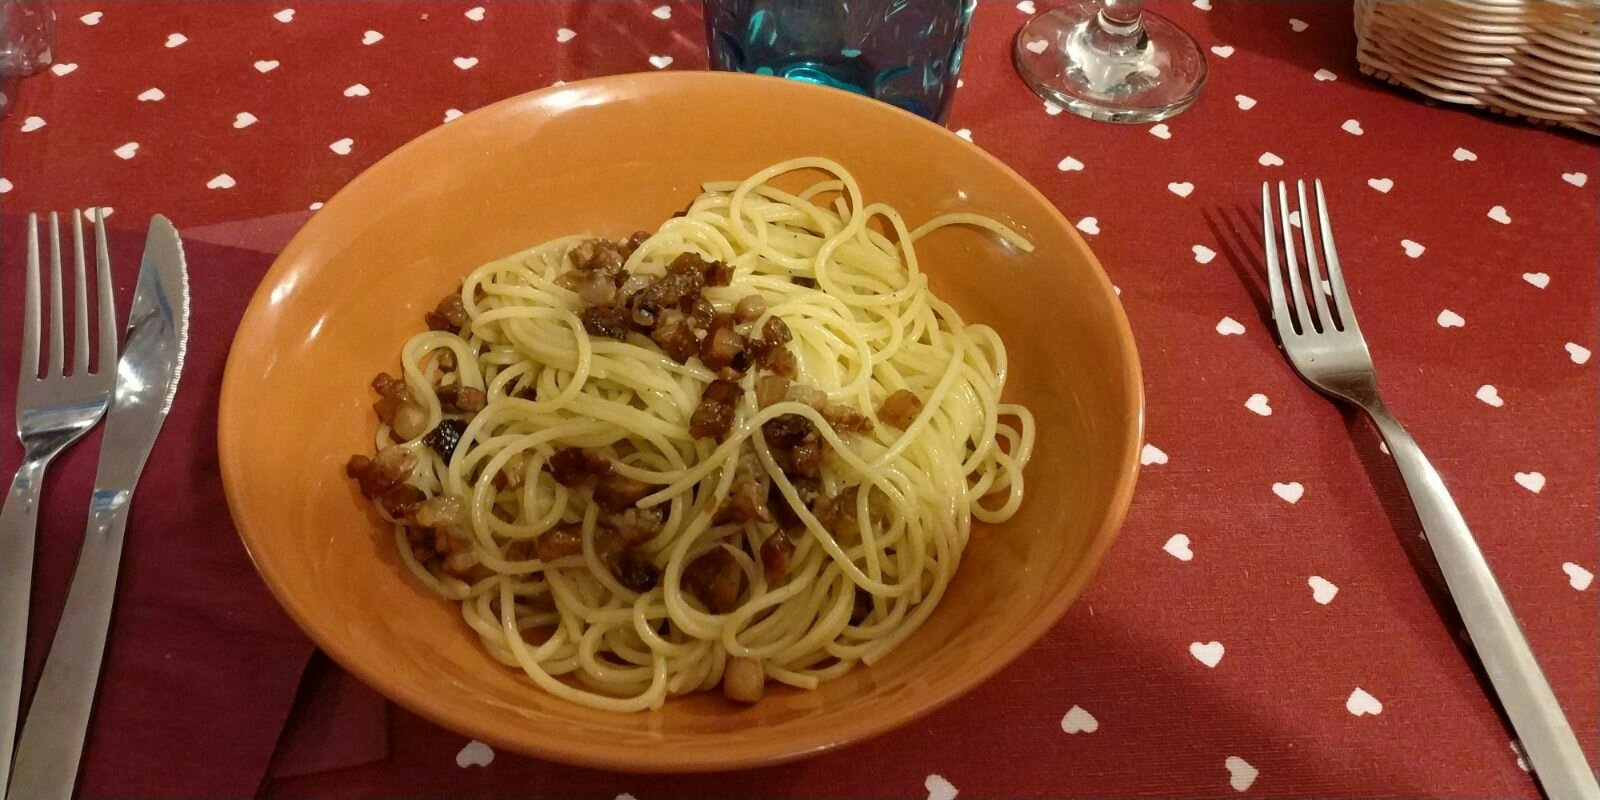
(1326, 347)
(52, 413)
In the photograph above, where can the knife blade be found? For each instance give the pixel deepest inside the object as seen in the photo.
(51, 745)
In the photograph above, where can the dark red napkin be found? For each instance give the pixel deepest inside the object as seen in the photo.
(202, 666)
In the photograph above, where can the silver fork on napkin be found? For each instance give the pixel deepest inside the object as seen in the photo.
(52, 413)
(1325, 345)
(51, 745)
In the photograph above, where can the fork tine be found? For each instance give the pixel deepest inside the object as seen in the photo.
(1341, 297)
(1280, 304)
(1320, 297)
(57, 330)
(108, 302)
(30, 311)
(1299, 299)
(80, 297)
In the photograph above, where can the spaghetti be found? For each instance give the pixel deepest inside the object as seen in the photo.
(745, 448)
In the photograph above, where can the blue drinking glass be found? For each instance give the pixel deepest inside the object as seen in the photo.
(903, 52)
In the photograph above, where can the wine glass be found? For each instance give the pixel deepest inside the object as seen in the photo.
(1111, 61)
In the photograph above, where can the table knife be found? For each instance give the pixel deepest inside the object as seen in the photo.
(51, 744)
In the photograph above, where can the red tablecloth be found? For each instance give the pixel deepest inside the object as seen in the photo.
(1260, 627)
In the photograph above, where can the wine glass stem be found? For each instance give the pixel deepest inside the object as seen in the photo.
(1119, 19)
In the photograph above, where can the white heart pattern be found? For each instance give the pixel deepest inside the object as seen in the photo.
(1579, 353)
(1537, 279)
(1498, 214)
(1413, 249)
(286, 15)
(5, 186)
(1069, 164)
(465, 62)
(1089, 225)
(1181, 189)
(1450, 319)
(1290, 492)
(32, 124)
(1228, 326)
(662, 12)
(175, 39)
(475, 14)
(564, 35)
(939, 788)
(1294, 218)
(92, 18)
(1246, 102)
(661, 62)
(1051, 108)
(1178, 547)
(265, 67)
(1577, 577)
(1207, 653)
(1381, 184)
(1463, 154)
(1258, 404)
(1532, 481)
(223, 181)
(127, 151)
(357, 90)
(1270, 160)
(1160, 131)
(371, 37)
(1240, 774)
(1026, 6)
(451, 114)
(317, 206)
(1325, 75)
(1203, 5)
(1297, 25)
(244, 119)
(105, 213)
(1037, 46)
(1352, 127)
(1152, 455)
(342, 147)
(1361, 703)
(1322, 590)
(1490, 396)
(1077, 720)
(63, 70)
(1203, 254)
(1222, 50)
(1575, 178)
(965, 133)
(475, 754)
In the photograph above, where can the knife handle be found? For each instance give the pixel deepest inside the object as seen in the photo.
(51, 745)
(19, 520)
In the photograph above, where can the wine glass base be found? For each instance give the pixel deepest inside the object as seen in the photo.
(1068, 58)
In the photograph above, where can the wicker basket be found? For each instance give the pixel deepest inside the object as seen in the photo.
(1538, 59)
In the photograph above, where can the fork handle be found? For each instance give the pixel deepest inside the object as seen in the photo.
(19, 519)
(51, 744)
(1557, 758)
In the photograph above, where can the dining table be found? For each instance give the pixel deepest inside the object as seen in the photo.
(1269, 622)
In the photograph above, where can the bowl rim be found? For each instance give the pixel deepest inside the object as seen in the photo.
(233, 403)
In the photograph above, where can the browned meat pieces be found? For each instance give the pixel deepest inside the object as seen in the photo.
(675, 336)
(714, 578)
(723, 347)
(618, 492)
(796, 445)
(775, 554)
(807, 489)
(750, 308)
(634, 571)
(462, 399)
(900, 409)
(443, 439)
(572, 466)
(450, 315)
(597, 255)
(713, 418)
(383, 472)
(746, 503)
(607, 322)
(559, 542)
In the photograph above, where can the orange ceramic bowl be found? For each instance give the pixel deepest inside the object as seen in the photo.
(608, 156)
